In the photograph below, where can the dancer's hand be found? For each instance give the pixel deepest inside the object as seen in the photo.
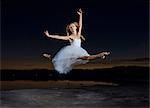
(46, 33)
(79, 11)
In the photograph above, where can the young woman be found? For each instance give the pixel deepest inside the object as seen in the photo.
(72, 54)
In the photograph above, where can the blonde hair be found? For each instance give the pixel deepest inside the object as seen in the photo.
(68, 30)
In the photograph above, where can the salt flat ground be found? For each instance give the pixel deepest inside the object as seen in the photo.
(75, 95)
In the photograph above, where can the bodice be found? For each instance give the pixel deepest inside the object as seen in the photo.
(76, 42)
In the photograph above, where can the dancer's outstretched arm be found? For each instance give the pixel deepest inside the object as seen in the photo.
(56, 36)
(80, 21)
(80, 24)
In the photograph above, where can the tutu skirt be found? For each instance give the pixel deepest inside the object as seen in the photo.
(67, 57)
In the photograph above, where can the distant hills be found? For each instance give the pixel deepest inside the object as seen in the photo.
(94, 64)
(121, 74)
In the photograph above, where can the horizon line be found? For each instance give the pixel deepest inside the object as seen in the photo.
(83, 68)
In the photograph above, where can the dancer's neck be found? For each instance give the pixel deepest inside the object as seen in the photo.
(74, 33)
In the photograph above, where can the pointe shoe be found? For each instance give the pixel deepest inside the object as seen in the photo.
(47, 56)
(104, 54)
(103, 57)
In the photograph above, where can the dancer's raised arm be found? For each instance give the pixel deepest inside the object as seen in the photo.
(80, 21)
(56, 36)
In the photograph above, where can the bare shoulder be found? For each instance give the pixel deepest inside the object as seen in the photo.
(72, 36)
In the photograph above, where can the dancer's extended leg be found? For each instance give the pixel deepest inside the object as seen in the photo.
(47, 55)
(92, 57)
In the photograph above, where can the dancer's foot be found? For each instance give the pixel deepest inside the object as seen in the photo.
(103, 54)
(47, 55)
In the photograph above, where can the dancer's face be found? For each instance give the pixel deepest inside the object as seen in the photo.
(72, 28)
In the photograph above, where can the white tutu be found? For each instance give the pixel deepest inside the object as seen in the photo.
(67, 57)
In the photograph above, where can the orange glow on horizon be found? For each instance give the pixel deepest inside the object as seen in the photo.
(48, 65)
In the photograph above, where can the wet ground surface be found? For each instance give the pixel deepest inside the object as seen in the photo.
(133, 96)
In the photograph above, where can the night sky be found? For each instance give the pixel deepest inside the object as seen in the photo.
(120, 27)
